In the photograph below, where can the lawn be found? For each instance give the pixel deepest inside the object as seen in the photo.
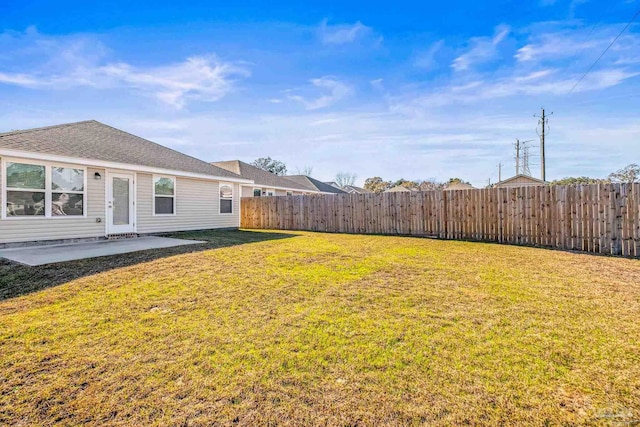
(260, 328)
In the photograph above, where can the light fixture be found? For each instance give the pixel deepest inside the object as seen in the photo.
(97, 176)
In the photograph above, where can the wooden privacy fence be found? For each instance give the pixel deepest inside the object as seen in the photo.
(598, 218)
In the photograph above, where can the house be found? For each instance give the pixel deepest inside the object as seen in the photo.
(352, 189)
(313, 184)
(400, 188)
(87, 180)
(459, 186)
(519, 180)
(264, 183)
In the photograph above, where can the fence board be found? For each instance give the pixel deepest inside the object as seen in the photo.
(598, 218)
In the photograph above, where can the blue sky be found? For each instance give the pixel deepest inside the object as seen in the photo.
(404, 90)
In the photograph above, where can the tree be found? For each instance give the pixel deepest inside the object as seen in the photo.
(376, 184)
(306, 171)
(405, 183)
(270, 165)
(576, 180)
(430, 185)
(456, 181)
(630, 173)
(345, 178)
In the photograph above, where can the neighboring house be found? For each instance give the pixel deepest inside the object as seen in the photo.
(265, 183)
(519, 181)
(352, 189)
(459, 186)
(312, 184)
(89, 180)
(400, 188)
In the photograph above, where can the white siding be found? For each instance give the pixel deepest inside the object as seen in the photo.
(33, 229)
(197, 206)
(247, 191)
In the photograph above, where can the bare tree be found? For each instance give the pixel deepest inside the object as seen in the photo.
(307, 171)
(345, 178)
(631, 173)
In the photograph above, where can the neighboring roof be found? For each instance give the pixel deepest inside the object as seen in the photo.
(259, 176)
(399, 188)
(93, 140)
(521, 176)
(332, 183)
(314, 185)
(354, 189)
(459, 186)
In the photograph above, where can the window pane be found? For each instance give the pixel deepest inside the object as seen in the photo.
(164, 186)
(20, 175)
(64, 204)
(164, 205)
(226, 191)
(121, 201)
(226, 206)
(257, 192)
(25, 203)
(67, 179)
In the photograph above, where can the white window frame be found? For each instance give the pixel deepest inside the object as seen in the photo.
(233, 199)
(48, 190)
(254, 192)
(175, 195)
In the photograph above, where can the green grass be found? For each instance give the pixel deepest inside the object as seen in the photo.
(323, 329)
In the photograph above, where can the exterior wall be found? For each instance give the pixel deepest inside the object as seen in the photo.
(197, 206)
(247, 191)
(518, 182)
(15, 230)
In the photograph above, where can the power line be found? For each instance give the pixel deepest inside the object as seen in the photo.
(605, 51)
(586, 39)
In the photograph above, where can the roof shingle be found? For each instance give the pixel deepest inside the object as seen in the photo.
(96, 141)
(259, 176)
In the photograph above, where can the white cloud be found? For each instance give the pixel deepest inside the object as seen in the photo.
(342, 33)
(64, 64)
(334, 91)
(482, 49)
(426, 59)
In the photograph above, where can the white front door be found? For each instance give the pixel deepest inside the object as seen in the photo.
(120, 203)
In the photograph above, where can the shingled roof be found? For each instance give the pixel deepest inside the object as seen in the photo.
(96, 141)
(313, 184)
(259, 176)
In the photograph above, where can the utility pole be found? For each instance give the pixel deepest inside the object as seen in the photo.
(543, 122)
(499, 172)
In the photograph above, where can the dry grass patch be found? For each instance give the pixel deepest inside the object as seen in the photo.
(327, 329)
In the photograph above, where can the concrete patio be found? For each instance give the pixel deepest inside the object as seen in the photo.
(49, 254)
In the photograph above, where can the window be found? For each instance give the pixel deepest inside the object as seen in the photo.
(26, 189)
(289, 193)
(164, 195)
(226, 199)
(34, 190)
(257, 192)
(271, 192)
(67, 186)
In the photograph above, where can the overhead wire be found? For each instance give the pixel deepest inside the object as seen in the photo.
(605, 51)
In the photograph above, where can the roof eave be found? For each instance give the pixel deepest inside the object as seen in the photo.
(116, 165)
